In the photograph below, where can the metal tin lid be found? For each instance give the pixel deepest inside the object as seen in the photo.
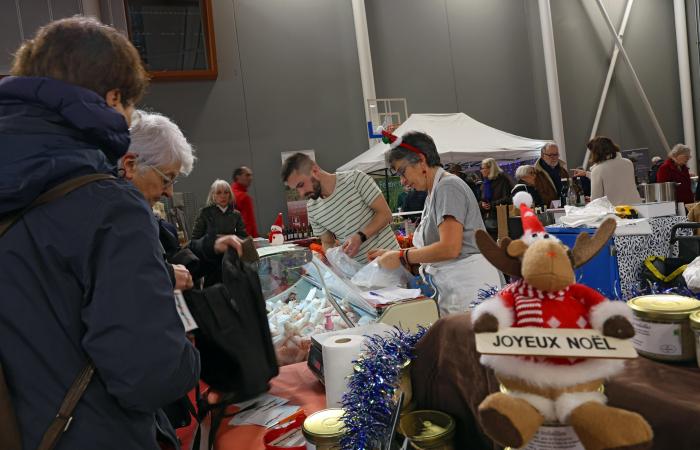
(325, 426)
(426, 427)
(695, 320)
(662, 306)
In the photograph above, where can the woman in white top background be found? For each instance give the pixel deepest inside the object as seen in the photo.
(612, 176)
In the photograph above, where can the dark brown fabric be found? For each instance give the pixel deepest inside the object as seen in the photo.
(666, 395)
(62, 421)
(448, 377)
(9, 428)
(544, 184)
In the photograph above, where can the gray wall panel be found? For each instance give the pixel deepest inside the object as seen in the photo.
(10, 35)
(34, 13)
(411, 53)
(64, 8)
(294, 85)
(493, 63)
(653, 53)
(691, 9)
(584, 47)
(210, 113)
(302, 87)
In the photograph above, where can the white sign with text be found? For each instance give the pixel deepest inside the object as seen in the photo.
(553, 342)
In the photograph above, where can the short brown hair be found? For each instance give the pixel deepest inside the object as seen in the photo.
(299, 162)
(82, 51)
(602, 148)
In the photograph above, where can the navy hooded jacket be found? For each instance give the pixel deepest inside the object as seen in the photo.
(82, 277)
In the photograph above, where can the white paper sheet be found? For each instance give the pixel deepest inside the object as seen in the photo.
(184, 312)
(266, 410)
(389, 295)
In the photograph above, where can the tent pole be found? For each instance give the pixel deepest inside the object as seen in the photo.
(359, 15)
(637, 83)
(608, 79)
(550, 64)
(684, 75)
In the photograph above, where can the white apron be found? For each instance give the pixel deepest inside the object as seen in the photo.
(457, 281)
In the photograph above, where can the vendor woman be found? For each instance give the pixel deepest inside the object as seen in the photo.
(444, 242)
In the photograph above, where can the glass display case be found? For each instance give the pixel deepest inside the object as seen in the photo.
(305, 296)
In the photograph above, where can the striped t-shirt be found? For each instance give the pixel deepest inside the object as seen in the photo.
(346, 211)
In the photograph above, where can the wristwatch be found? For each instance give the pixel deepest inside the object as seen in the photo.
(363, 236)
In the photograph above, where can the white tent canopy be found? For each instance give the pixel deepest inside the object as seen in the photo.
(458, 138)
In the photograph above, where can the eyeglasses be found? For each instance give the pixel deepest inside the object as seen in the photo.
(167, 181)
(552, 155)
(400, 172)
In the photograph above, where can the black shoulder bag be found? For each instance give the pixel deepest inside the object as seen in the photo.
(233, 339)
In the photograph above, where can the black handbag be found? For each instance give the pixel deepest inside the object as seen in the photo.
(233, 338)
(234, 341)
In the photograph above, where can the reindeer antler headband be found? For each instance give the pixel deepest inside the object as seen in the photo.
(396, 141)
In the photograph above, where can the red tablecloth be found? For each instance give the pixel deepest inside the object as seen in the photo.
(297, 384)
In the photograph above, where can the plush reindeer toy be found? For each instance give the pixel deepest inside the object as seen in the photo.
(549, 389)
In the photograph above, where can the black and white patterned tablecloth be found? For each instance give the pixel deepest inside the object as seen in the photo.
(633, 249)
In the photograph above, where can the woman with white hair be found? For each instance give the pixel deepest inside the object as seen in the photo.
(219, 216)
(158, 154)
(526, 175)
(675, 170)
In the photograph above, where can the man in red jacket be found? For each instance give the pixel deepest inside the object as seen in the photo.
(242, 178)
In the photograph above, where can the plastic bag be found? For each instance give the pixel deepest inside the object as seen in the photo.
(372, 276)
(342, 262)
(692, 275)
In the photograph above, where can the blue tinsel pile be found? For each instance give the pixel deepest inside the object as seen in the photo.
(369, 401)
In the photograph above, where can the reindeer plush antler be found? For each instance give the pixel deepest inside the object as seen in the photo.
(586, 247)
(553, 389)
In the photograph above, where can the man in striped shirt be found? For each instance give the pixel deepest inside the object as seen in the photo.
(345, 207)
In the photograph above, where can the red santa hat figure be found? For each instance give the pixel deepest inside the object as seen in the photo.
(532, 227)
(276, 237)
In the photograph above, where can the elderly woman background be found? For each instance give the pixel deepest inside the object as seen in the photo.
(675, 170)
(219, 217)
(444, 241)
(158, 154)
(526, 174)
(612, 176)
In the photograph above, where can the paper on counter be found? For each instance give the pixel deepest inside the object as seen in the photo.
(266, 410)
(390, 295)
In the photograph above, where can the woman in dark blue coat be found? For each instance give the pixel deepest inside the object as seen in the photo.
(83, 277)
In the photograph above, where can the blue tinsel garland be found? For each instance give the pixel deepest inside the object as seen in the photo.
(369, 400)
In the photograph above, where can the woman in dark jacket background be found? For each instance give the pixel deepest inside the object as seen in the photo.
(495, 190)
(219, 217)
